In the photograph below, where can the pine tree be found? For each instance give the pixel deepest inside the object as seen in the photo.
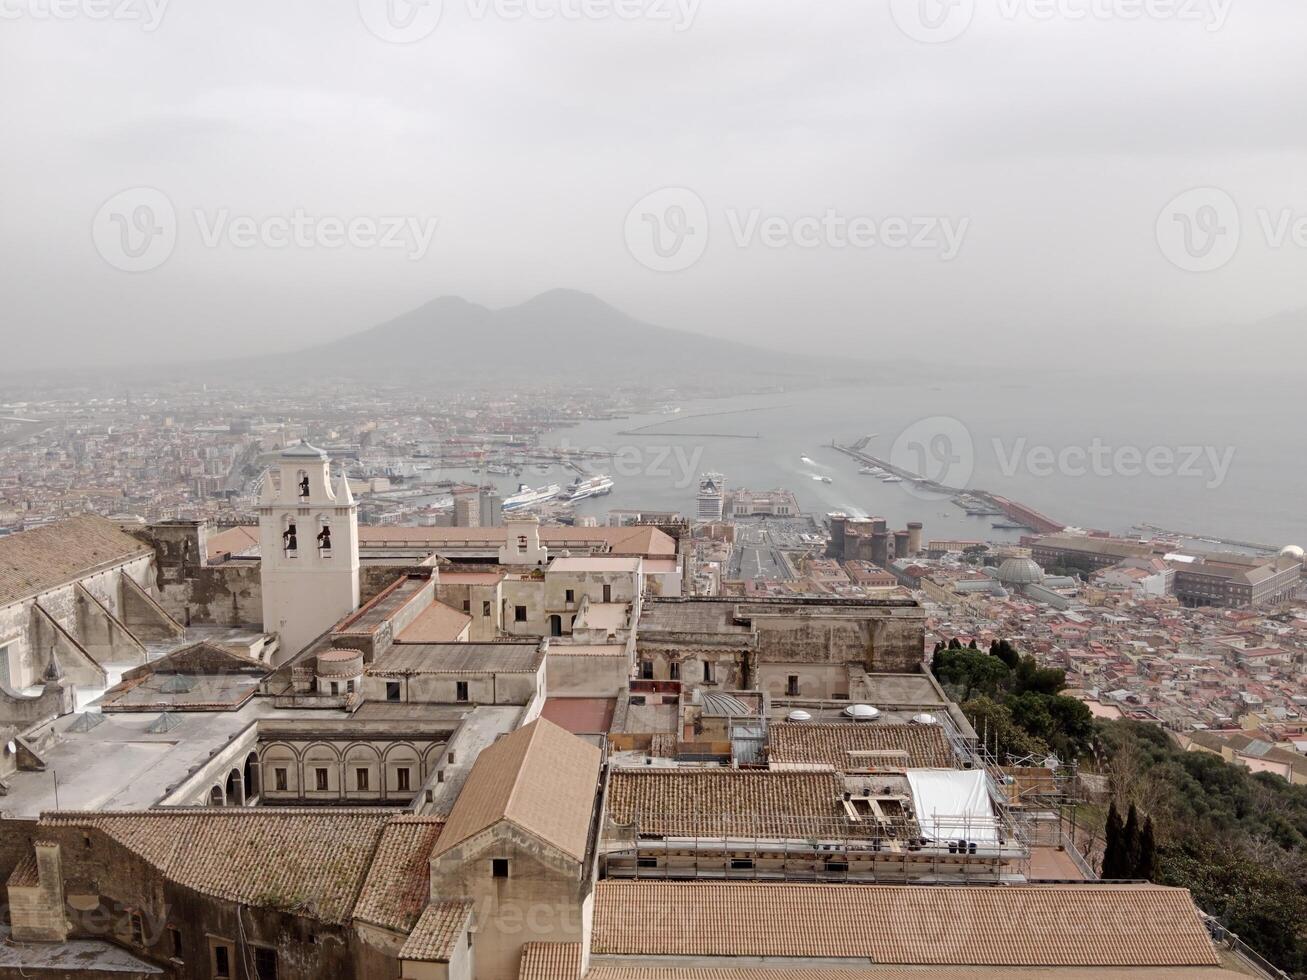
(972, 644)
(1112, 852)
(1147, 867)
(1131, 844)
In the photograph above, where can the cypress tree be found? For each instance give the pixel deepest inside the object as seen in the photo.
(1147, 867)
(1131, 844)
(1112, 845)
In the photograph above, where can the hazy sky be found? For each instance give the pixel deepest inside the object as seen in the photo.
(881, 173)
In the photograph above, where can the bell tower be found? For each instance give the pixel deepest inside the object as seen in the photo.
(308, 546)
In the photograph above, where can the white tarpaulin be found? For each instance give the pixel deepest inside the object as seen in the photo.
(953, 804)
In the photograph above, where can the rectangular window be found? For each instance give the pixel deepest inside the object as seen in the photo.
(499, 868)
(392, 690)
(571, 597)
(519, 614)
(279, 778)
(792, 686)
(361, 779)
(608, 593)
(265, 963)
(220, 959)
(646, 670)
(175, 935)
(138, 929)
(707, 672)
(741, 864)
(467, 605)
(401, 778)
(485, 608)
(674, 670)
(460, 691)
(321, 776)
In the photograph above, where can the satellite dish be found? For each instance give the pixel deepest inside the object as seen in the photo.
(799, 715)
(862, 712)
(11, 747)
(924, 719)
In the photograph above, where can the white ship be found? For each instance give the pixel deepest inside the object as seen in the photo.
(892, 479)
(526, 497)
(593, 487)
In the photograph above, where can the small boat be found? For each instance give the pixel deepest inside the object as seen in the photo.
(892, 479)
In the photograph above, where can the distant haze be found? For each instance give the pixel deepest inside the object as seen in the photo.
(1016, 178)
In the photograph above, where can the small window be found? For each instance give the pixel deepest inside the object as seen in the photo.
(485, 608)
(608, 593)
(265, 963)
(708, 672)
(335, 688)
(499, 868)
(321, 776)
(467, 605)
(519, 614)
(138, 929)
(674, 670)
(571, 596)
(646, 670)
(175, 935)
(279, 778)
(646, 862)
(401, 778)
(361, 779)
(392, 690)
(792, 685)
(741, 864)
(220, 959)
(460, 691)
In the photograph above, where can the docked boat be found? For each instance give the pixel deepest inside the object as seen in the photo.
(892, 479)
(526, 497)
(593, 487)
(870, 470)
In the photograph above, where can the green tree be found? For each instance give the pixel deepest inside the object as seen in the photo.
(1113, 851)
(1147, 866)
(1131, 845)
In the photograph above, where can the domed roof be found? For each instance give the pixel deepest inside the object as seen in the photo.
(1291, 551)
(302, 450)
(1020, 571)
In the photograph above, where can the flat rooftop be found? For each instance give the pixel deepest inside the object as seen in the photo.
(120, 765)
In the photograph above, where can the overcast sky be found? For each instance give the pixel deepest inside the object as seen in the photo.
(177, 177)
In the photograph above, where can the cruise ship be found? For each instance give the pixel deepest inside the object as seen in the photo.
(593, 487)
(526, 497)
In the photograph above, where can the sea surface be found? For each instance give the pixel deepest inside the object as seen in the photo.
(1204, 458)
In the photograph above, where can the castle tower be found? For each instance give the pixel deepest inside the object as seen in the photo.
(309, 547)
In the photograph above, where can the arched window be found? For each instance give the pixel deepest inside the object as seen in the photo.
(290, 537)
(324, 536)
(302, 481)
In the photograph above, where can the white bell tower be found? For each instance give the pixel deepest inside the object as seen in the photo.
(308, 546)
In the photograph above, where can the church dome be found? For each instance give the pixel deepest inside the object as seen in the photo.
(1020, 571)
(1291, 551)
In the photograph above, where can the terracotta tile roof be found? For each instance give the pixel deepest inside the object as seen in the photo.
(614, 972)
(830, 745)
(25, 873)
(438, 623)
(35, 561)
(540, 778)
(710, 802)
(1076, 925)
(233, 541)
(312, 862)
(550, 961)
(398, 884)
(435, 937)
